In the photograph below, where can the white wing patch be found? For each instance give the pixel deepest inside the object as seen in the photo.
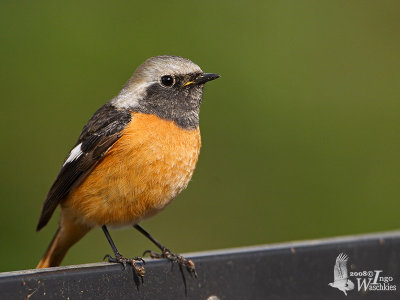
(75, 153)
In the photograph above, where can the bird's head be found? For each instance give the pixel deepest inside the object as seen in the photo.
(170, 87)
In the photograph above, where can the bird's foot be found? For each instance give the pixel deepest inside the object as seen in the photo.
(139, 268)
(182, 261)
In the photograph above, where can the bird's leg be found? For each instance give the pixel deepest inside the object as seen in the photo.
(166, 253)
(121, 259)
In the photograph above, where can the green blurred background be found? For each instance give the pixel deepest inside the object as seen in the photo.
(300, 134)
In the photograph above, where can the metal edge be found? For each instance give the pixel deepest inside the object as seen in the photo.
(379, 236)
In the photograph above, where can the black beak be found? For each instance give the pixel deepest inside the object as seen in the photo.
(205, 77)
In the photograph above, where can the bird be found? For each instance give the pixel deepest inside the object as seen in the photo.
(133, 157)
(341, 277)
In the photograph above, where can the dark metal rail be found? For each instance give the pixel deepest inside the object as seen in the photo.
(298, 270)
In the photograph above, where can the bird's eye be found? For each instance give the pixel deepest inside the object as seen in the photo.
(167, 80)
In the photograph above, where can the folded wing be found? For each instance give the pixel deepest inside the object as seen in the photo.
(97, 137)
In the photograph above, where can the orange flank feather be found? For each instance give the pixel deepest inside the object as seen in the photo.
(146, 168)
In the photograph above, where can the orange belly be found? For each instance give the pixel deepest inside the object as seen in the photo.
(143, 171)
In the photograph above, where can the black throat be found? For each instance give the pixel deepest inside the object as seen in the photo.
(178, 104)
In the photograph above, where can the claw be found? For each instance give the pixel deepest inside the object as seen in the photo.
(140, 271)
(145, 252)
(140, 259)
(182, 261)
(108, 256)
(190, 266)
(153, 254)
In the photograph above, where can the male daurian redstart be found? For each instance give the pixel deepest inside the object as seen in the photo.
(135, 155)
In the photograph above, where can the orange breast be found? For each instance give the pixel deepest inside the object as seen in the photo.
(144, 170)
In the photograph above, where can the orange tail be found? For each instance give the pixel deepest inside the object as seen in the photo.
(68, 233)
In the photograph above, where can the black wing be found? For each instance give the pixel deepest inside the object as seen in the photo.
(99, 134)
